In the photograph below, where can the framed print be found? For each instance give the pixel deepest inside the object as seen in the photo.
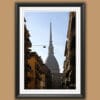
(50, 50)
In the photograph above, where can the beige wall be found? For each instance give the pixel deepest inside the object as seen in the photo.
(7, 64)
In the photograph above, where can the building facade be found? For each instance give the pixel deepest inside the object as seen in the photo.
(39, 73)
(69, 73)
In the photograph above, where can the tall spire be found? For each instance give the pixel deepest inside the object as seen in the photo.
(51, 52)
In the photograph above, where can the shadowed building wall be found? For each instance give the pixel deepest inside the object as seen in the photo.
(27, 45)
(69, 73)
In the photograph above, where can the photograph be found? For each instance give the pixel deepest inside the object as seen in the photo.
(49, 50)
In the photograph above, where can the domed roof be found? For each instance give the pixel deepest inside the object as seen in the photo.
(52, 64)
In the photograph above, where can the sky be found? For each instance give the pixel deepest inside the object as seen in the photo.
(38, 24)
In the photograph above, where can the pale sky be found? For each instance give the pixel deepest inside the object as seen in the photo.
(38, 24)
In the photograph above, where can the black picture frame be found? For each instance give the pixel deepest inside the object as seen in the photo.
(17, 52)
